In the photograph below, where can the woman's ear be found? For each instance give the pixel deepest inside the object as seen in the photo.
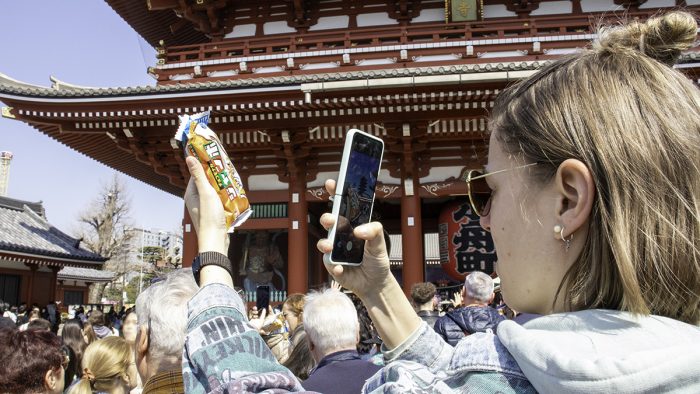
(576, 194)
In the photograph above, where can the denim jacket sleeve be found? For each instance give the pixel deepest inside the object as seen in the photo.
(424, 362)
(223, 353)
(425, 347)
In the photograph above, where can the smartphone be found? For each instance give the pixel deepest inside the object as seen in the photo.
(262, 298)
(354, 195)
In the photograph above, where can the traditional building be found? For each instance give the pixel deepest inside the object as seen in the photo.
(38, 262)
(285, 80)
(74, 284)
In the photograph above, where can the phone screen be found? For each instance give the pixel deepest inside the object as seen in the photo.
(262, 297)
(357, 198)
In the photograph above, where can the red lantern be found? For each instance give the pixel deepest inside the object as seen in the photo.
(464, 245)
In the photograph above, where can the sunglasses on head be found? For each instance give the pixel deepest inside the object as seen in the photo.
(479, 192)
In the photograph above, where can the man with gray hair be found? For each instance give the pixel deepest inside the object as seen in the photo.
(475, 315)
(333, 330)
(162, 324)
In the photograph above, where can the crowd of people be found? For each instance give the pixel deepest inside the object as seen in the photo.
(326, 339)
(75, 332)
(594, 209)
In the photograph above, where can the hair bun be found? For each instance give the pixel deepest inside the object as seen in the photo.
(662, 37)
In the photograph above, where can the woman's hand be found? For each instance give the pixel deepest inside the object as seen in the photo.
(206, 210)
(207, 213)
(373, 274)
(372, 281)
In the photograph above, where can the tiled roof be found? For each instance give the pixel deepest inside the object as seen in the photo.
(63, 90)
(60, 89)
(85, 274)
(24, 229)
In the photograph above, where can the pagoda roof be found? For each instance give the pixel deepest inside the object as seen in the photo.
(130, 128)
(85, 274)
(24, 231)
(66, 91)
(154, 26)
(59, 90)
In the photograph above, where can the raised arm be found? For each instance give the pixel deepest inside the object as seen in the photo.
(209, 222)
(392, 314)
(223, 352)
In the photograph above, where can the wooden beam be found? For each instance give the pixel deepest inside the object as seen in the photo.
(159, 5)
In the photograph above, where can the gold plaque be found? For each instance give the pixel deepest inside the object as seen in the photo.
(465, 10)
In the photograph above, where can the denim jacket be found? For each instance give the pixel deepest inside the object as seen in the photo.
(426, 363)
(223, 353)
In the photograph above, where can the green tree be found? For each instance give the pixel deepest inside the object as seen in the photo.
(152, 254)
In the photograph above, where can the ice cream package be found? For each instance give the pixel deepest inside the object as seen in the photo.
(198, 140)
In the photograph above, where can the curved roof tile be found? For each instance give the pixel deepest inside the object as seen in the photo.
(24, 229)
(11, 86)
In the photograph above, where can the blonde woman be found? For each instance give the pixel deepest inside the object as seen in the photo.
(108, 367)
(594, 208)
(593, 204)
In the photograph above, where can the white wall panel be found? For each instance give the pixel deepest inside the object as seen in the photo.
(553, 8)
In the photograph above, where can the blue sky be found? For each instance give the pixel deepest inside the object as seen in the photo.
(86, 43)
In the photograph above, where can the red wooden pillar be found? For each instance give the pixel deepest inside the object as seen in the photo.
(412, 236)
(60, 294)
(411, 226)
(298, 243)
(320, 273)
(54, 282)
(189, 240)
(32, 269)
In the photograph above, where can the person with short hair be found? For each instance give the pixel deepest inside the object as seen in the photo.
(33, 315)
(592, 197)
(108, 367)
(99, 324)
(162, 324)
(9, 311)
(80, 314)
(31, 361)
(39, 324)
(475, 314)
(7, 323)
(22, 315)
(425, 301)
(333, 331)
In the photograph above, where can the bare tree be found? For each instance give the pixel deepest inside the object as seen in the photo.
(103, 227)
(105, 219)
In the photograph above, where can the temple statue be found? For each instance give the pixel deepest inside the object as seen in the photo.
(261, 261)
